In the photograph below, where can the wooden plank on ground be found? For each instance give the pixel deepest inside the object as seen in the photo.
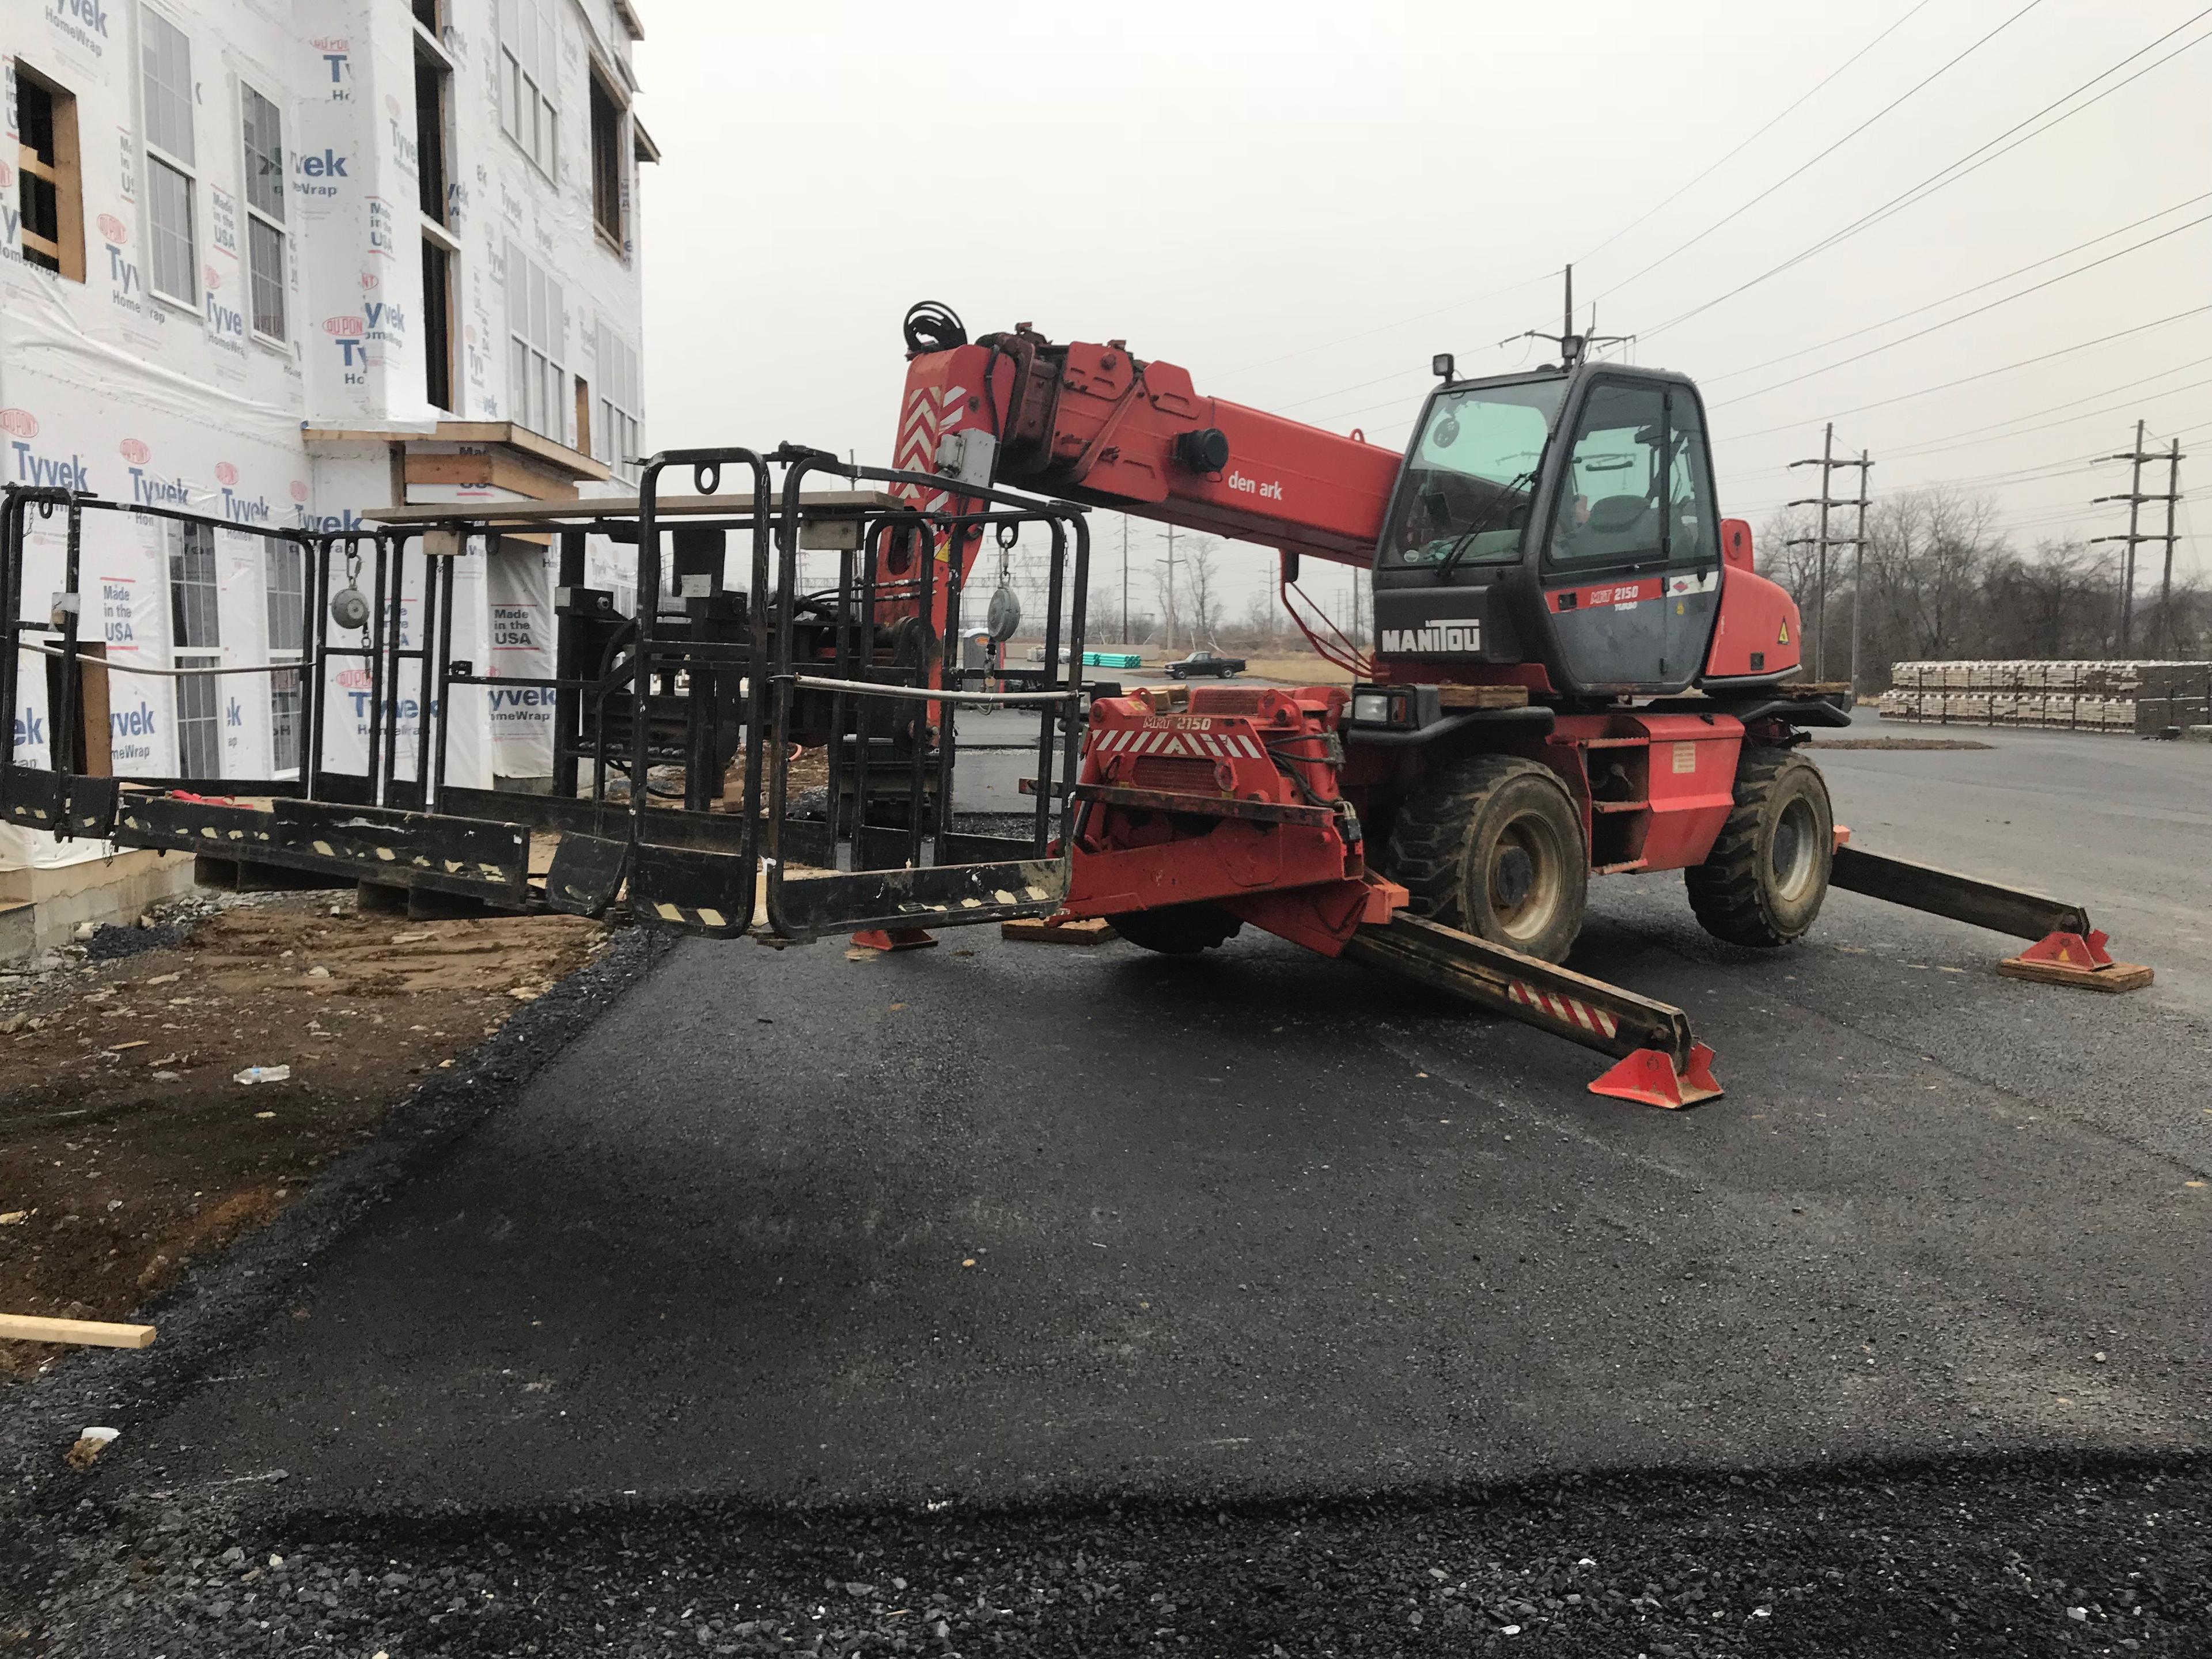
(1045, 930)
(2119, 976)
(93, 1332)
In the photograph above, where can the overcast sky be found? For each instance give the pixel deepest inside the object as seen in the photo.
(1301, 202)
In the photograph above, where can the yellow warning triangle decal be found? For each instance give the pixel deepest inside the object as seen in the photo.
(1782, 638)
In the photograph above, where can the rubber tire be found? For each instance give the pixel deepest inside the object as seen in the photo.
(1737, 893)
(1447, 829)
(1178, 929)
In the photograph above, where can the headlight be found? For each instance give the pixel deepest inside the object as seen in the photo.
(1371, 709)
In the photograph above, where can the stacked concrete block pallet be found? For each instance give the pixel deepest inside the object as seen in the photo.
(2147, 698)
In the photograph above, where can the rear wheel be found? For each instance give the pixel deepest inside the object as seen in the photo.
(1177, 930)
(1493, 846)
(1763, 882)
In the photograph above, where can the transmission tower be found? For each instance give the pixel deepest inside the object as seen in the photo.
(2138, 458)
(1826, 500)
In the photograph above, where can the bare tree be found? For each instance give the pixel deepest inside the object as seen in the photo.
(1201, 585)
(1262, 621)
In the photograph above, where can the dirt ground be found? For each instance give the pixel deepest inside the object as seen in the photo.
(127, 1146)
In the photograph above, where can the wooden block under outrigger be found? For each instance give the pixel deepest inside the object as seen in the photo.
(1051, 930)
(2065, 959)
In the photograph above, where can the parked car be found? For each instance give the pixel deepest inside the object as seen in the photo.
(1206, 665)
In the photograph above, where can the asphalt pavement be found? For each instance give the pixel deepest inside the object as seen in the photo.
(999, 1220)
(1008, 1230)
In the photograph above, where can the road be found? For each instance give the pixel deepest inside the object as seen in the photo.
(995, 1224)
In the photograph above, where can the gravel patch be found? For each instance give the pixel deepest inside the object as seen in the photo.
(2042, 1555)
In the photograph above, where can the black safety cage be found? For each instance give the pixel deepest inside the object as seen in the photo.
(717, 682)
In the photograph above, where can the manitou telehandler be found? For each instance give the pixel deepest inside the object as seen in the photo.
(1574, 670)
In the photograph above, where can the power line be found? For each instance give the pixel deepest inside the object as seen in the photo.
(1916, 87)
(2050, 426)
(1936, 181)
(1405, 322)
(2134, 498)
(1996, 436)
(2006, 300)
(1910, 451)
(1829, 465)
(1384, 328)
(2002, 368)
(1788, 110)
(2107, 236)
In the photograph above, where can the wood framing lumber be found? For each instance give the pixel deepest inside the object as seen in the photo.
(92, 1333)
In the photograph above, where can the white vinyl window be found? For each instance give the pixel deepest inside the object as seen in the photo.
(195, 638)
(167, 64)
(536, 324)
(528, 61)
(287, 592)
(263, 136)
(622, 401)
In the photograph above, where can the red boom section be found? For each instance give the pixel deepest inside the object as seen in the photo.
(1094, 424)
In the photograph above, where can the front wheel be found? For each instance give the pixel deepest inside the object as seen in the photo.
(1493, 846)
(1763, 883)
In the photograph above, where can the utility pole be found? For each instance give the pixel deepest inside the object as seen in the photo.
(1858, 570)
(1572, 346)
(2134, 498)
(1125, 578)
(1829, 466)
(2166, 577)
(1170, 606)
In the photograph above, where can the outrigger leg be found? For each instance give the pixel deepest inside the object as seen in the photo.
(1661, 1063)
(2067, 950)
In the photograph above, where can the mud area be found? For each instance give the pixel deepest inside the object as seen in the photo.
(129, 1144)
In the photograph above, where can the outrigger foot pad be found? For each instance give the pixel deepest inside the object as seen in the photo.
(1058, 930)
(892, 938)
(1649, 1076)
(2064, 958)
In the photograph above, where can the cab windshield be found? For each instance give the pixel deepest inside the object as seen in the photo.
(1470, 479)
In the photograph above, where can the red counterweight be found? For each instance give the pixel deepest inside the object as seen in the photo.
(1230, 801)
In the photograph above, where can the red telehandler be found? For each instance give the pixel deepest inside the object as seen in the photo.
(1576, 671)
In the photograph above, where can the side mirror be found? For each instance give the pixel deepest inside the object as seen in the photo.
(1290, 569)
(1736, 543)
(1441, 366)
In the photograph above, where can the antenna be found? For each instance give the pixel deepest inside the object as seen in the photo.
(1572, 346)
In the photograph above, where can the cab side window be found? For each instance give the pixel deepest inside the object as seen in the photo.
(1616, 484)
(1695, 532)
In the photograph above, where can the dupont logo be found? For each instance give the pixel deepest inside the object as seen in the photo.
(355, 679)
(345, 328)
(210, 275)
(299, 489)
(114, 231)
(391, 107)
(134, 451)
(18, 423)
(6, 176)
(225, 474)
(90, 13)
(370, 279)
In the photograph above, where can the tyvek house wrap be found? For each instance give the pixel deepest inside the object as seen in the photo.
(142, 398)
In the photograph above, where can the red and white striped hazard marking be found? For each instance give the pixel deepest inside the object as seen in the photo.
(1569, 1009)
(1228, 745)
(927, 414)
